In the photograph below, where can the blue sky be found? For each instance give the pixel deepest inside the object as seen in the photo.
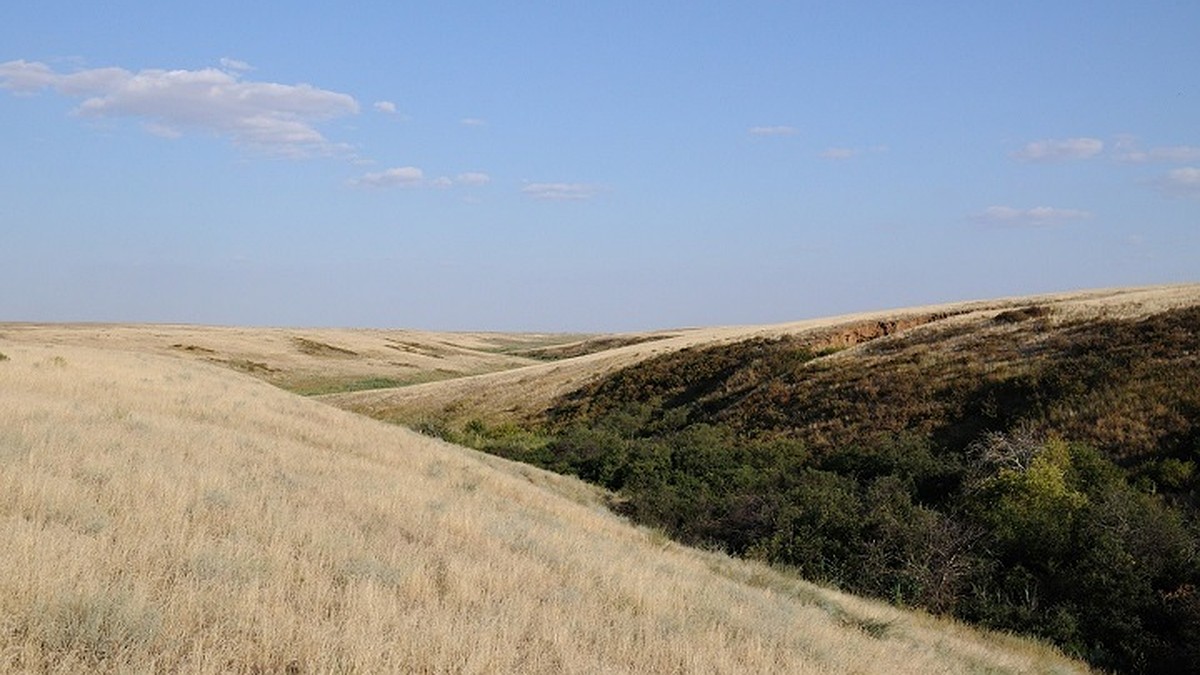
(587, 166)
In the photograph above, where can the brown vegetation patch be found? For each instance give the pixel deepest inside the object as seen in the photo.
(248, 366)
(423, 349)
(1022, 314)
(314, 348)
(844, 336)
(589, 346)
(195, 349)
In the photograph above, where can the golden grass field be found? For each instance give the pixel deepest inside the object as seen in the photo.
(162, 510)
(308, 360)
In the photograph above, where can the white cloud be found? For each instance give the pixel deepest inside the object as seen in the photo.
(473, 122)
(1128, 150)
(778, 130)
(1059, 150)
(402, 176)
(1182, 182)
(838, 154)
(561, 191)
(473, 178)
(234, 64)
(413, 177)
(1172, 153)
(1034, 217)
(274, 118)
(385, 106)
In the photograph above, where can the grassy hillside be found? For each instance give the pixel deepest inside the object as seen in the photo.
(1027, 464)
(525, 393)
(315, 361)
(161, 514)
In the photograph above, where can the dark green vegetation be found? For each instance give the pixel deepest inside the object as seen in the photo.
(317, 386)
(1032, 474)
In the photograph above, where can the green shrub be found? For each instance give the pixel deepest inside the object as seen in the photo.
(927, 475)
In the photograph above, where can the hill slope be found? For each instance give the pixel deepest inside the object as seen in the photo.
(1031, 464)
(315, 360)
(526, 394)
(165, 515)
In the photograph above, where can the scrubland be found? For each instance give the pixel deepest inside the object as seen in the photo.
(160, 514)
(1027, 464)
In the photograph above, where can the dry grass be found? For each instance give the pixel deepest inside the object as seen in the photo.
(164, 515)
(525, 393)
(309, 361)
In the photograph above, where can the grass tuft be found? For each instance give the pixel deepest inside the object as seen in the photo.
(97, 628)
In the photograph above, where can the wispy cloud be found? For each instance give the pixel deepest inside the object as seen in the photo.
(414, 177)
(401, 176)
(1129, 150)
(778, 130)
(385, 107)
(561, 191)
(234, 64)
(1171, 153)
(1059, 150)
(473, 122)
(473, 178)
(1182, 182)
(278, 119)
(850, 153)
(1038, 216)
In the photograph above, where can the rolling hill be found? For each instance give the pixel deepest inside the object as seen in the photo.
(527, 393)
(1028, 464)
(164, 511)
(311, 361)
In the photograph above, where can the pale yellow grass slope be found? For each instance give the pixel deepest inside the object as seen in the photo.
(163, 515)
(523, 393)
(305, 359)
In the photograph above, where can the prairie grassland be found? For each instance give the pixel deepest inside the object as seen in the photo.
(164, 515)
(310, 361)
(522, 394)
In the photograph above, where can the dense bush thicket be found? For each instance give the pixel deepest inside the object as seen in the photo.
(1029, 476)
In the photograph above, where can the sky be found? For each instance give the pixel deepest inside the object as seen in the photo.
(587, 167)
